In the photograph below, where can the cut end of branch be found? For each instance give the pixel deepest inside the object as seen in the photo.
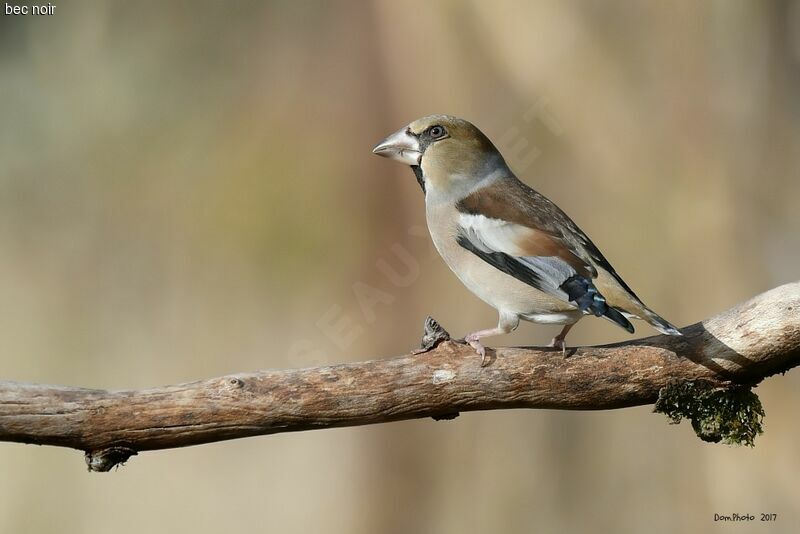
(104, 460)
(433, 334)
(732, 415)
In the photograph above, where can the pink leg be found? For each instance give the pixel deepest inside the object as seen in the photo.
(559, 341)
(508, 323)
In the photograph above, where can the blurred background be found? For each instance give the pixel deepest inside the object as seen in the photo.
(187, 190)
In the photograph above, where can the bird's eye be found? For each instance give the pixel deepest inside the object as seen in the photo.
(437, 132)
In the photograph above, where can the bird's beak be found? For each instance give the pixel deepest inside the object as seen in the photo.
(401, 146)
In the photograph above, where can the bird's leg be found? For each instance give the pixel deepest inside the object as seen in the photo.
(559, 341)
(508, 323)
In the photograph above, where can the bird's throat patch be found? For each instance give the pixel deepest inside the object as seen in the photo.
(418, 173)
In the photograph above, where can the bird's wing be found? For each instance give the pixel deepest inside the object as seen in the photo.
(534, 257)
(512, 200)
(544, 256)
(538, 259)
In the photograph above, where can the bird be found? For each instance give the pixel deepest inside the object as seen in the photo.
(507, 243)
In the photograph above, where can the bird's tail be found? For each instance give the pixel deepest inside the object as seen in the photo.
(622, 299)
(653, 319)
(618, 318)
(659, 323)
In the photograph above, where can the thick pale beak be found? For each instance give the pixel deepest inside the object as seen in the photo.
(401, 146)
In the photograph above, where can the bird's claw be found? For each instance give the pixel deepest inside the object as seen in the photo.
(559, 343)
(476, 344)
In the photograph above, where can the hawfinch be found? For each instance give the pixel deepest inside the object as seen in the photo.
(508, 244)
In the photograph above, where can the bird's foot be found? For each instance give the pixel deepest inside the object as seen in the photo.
(559, 343)
(475, 343)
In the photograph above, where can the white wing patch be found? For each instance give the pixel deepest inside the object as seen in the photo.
(493, 235)
(497, 236)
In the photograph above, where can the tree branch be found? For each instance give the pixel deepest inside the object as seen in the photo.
(742, 346)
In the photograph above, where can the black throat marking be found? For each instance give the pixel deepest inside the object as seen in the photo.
(418, 173)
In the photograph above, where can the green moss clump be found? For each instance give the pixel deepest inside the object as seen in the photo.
(732, 415)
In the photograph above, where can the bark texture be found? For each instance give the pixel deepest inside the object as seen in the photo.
(741, 346)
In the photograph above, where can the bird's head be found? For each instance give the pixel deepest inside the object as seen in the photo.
(446, 152)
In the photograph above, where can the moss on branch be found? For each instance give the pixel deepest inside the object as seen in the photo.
(732, 415)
